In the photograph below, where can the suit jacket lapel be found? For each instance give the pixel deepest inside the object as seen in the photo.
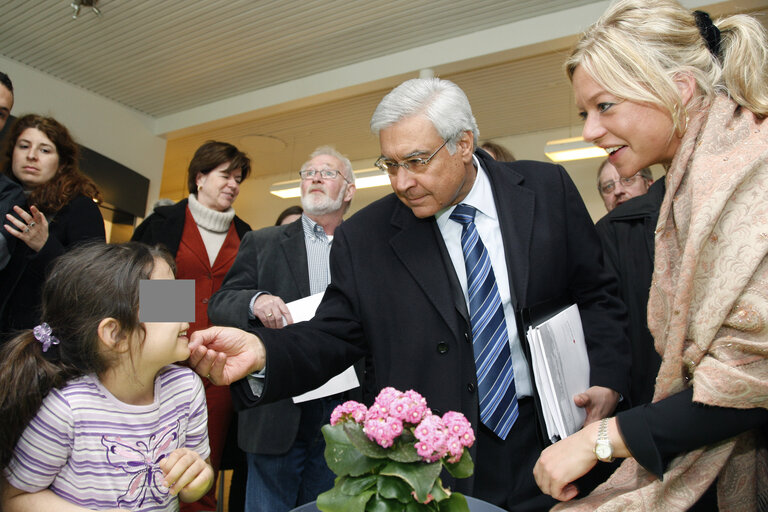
(420, 248)
(295, 251)
(514, 205)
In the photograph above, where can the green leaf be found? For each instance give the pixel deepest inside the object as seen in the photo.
(404, 448)
(336, 501)
(438, 492)
(394, 488)
(417, 507)
(456, 503)
(463, 468)
(358, 438)
(341, 455)
(357, 485)
(379, 504)
(421, 477)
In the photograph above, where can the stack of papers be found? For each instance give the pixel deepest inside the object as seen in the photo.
(560, 370)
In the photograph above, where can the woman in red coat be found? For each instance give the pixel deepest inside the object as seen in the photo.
(203, 233)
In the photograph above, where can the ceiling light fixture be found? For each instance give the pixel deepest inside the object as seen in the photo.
(575, 148)
(79, 4)
(364, 178)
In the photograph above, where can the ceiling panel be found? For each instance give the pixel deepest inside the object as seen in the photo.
(162, 57)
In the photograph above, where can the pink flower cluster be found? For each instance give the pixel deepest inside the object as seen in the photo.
(439, 437)
(394, 410)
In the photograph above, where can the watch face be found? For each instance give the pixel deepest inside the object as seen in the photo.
(603, 451)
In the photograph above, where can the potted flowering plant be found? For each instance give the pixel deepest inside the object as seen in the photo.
(389, 457)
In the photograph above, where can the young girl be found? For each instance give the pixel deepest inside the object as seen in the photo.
(95, 416)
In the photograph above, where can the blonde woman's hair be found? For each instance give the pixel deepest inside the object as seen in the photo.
(638, 48)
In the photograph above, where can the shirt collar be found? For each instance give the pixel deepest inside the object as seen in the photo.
(312, 229)
(480, 197)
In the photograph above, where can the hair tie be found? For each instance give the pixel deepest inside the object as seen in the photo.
(708, 31)
(43, 334)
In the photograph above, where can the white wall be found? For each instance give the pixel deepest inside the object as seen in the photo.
(113, 130)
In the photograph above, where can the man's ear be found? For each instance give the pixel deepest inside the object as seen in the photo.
(350, 192)
(110, 335)
(466, 145)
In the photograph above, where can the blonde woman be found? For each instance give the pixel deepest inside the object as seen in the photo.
(657, 83)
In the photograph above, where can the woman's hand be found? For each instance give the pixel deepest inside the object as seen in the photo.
(32, 229)
(572, 458)
(187, 474)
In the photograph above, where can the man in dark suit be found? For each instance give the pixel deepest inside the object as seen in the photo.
(275, 265)
(399, 289)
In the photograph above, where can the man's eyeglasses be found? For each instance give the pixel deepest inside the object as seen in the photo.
(609, 186)
(326, 174)
(413, 164)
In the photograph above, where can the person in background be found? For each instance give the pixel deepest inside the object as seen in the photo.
(96, 416)
(289, 215)
(497, 151)
(615, 190)
(275, 265)
(11, 193)
(658, 84)
(42, 158)
(400, 292)
(203, 234)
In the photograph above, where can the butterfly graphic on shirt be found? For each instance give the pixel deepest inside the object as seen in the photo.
(141, 459)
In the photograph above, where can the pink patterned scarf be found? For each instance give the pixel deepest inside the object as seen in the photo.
(708, 312)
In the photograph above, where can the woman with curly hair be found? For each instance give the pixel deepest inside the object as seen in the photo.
(62, 213)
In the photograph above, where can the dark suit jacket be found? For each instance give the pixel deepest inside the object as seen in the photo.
(627, 235)
(272, 260)
(394, 294)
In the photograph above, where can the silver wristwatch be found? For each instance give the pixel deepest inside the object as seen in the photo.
(603, 448)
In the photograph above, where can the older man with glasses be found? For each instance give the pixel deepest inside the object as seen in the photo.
(275, 265)
(432, 282)
(616, 190)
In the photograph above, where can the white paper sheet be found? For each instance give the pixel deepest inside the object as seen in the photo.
(561, 370)
(304, 309)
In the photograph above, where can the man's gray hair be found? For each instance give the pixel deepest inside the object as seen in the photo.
(331, 151)
(440, 101)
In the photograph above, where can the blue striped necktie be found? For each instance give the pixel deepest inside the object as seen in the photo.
(490, 339)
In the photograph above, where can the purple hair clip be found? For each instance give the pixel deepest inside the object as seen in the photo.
(42, 334)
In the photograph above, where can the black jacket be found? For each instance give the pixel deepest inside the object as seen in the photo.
(627, 235)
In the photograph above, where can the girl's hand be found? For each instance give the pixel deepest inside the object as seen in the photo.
(32, 229)
(187, 474)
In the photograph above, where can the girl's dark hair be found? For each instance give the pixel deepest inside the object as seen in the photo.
(68, 182)
(211, 155)
(86, 285)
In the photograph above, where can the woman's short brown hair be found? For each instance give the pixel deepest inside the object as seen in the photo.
(211, 155)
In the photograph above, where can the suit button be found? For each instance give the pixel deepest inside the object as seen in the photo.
(205, 300)
(471, 387)
(466, 337)
(442, 347)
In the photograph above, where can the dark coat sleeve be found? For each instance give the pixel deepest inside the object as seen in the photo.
(11, 194)
(656, 433)
(229, 305)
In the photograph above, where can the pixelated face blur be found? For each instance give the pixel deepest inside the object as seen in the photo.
(164, 342)
(635, 135)
(35, 158)
(444, 182)
(616, 190)
(6, 104)
(320, 196)
(219, 188)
